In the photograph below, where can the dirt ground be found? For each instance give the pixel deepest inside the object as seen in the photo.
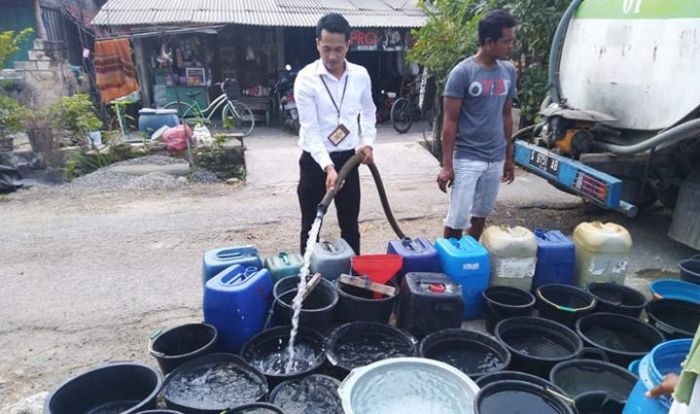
(86, 277)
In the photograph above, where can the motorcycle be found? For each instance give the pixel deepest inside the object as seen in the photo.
(285, 96)
(384, 103)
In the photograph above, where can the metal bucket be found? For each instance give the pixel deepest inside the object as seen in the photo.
(393, 385)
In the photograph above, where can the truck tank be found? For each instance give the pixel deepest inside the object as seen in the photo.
(621, 128)
(635, 60)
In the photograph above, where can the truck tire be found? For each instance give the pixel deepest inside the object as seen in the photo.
(630, 193)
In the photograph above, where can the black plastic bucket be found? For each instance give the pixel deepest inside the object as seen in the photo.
(510, 397)
(690, 269)
(537, 344)
(267, 352)
(583, 376)
(503, 302)
(516, 376)
(159, 412)
(315, 394)
(317, 311)
(213, 383)
(256, 408)
(563, 303)
(356, 344)
(124, 387)
(614, 298)
(356, 304)
(473, 353)
(598, 403)
(675, 318)
(621, 337)
(183, 343)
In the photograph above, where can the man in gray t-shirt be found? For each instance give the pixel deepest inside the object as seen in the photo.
(477, 153)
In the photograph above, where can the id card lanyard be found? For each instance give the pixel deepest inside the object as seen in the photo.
(342, 98)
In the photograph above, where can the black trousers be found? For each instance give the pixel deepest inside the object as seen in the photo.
(312, 188)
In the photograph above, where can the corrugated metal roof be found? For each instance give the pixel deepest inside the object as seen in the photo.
(284, 13)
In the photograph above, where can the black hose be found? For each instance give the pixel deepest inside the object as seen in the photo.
(347, 167)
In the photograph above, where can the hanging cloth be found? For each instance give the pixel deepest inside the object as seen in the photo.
(114, 69)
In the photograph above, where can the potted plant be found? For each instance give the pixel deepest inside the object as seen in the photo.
(77, 114)
(10, 116)
(39, 124)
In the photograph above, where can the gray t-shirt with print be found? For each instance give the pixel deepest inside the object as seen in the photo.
(483, 91)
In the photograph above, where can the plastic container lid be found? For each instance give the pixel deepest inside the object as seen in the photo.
(603, 237)
(514, 240)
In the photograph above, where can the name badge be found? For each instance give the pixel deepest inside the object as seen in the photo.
(339, 134)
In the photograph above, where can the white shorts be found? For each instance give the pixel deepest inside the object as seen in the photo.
(474, 191)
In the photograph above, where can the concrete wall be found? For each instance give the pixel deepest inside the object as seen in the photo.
(47, 76)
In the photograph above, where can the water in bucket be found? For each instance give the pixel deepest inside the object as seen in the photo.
(301, 290)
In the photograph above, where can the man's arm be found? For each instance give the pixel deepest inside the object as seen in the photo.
(452, 109)
(509, 166)
(311, 137)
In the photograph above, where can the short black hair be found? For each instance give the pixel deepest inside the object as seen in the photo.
(333, 23)
(491, 26)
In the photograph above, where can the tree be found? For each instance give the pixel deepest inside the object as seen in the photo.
(10, 43)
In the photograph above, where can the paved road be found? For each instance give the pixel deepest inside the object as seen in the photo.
(85, 280)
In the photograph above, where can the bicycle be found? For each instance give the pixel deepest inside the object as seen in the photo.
(234, 113)
(406, 109)
(122, 121)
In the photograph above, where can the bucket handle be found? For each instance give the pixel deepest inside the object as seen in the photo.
(413, 244)
(239, 277)
(599, 353)
(329, 246)
(565, 398)
(228, 254)
(284, 257)
(152, 337)
(565, 308)
(353, 373)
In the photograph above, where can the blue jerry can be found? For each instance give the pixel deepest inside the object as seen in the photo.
(556, 259)
(216, 260)
(236, 302)
(418, 254)
(466, 262)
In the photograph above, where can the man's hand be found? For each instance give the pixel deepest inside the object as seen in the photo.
(445, 178)
(331, 177)
(369, 155)
(508, 172)
(666, 387)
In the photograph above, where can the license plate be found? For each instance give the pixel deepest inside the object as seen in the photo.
(544, 163)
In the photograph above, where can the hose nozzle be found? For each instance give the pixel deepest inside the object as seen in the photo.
(321, 211)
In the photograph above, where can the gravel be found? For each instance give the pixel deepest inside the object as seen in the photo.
(150, 159)
(204, 176)
(155, 181)
(105, 180)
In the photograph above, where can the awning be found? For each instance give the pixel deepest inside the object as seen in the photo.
(279, 13)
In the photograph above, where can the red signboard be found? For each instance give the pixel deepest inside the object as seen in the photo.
(380, 39)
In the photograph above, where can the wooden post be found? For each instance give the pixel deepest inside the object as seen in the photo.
(365, 283)
(40, 29)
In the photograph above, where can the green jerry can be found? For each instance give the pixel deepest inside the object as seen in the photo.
(284, 264)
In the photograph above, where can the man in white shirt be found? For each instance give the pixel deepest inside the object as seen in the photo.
(337, 117)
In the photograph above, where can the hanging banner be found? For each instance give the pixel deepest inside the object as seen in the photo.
(380, 40)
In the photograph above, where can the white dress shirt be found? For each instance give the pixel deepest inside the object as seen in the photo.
(318, 116)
